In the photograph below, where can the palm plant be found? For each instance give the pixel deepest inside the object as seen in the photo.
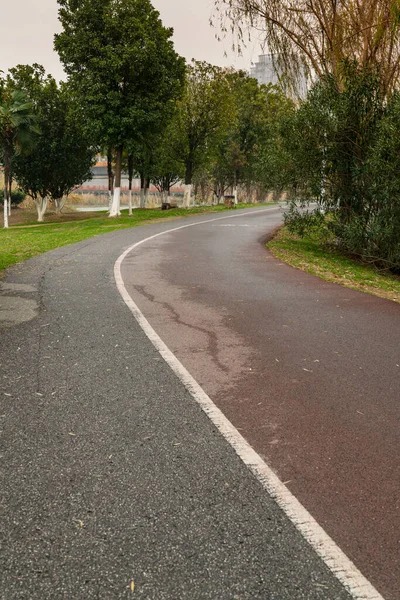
(18, 126)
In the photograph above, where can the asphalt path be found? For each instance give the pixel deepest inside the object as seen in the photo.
(308, 372)
(114, 484)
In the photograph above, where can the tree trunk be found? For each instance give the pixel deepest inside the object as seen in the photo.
(41, 207)
(5, 210)
(168, 195)
(9, 192)
(115, 210)
(7, 172)
(142, 186)
(146, 190)
(188, 185)
(59, 204)
(235, 188)
(187, 197)
(130, 175)
(110, 173)
(130, 203)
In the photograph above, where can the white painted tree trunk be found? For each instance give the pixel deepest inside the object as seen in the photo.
(130, 203)
(5, 211)
(59, 204)
(142, 198)
(41, 207)
(146, 197)
(235, 194)
(115, 209)
(187, 198)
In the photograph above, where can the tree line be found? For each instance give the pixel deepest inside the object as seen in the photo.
(340, 146)
(131, 97)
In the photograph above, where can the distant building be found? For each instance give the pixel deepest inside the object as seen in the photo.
(266, 71)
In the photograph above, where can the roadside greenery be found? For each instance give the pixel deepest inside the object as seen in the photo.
(340, 146)
(342, 152)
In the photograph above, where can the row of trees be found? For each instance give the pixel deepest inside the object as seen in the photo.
(340, 146)
(221, 135)
(130, 96)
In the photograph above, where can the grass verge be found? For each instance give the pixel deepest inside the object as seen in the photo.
(22, 242)
(308, 254)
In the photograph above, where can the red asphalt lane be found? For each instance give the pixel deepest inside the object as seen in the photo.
(308, 372)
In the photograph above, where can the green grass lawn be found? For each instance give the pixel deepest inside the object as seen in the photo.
(21, 242)
(309, 254)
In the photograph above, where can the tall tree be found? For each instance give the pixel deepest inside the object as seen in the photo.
(18, 128)
(201, 118)
(63, 154)
(251, 134)
(167, 169)
(319, 34)
(121, 61)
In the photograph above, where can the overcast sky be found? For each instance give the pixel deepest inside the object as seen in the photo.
(29, 26)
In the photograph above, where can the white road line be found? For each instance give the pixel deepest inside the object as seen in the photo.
(338, 563)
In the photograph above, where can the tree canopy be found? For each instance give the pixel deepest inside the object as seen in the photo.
(122, 64)
(18, 128)
(63, 154)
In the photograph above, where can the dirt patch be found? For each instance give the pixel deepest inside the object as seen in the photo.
(24, 217)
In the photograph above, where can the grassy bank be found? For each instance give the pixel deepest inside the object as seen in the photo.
(21, 242)
(309, 254)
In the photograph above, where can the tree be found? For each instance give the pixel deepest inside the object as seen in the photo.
(317, 35)
(167, 170)
(201, 117)
(18, 128)
(63, 155)
(251, 135)
(342, 152)
(121, 61)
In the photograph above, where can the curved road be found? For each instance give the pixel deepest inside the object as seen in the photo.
(308, 371)
(115, 485)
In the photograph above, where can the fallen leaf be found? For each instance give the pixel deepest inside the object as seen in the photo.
(132, 586)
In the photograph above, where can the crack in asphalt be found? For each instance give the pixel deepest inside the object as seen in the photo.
(212, 336)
